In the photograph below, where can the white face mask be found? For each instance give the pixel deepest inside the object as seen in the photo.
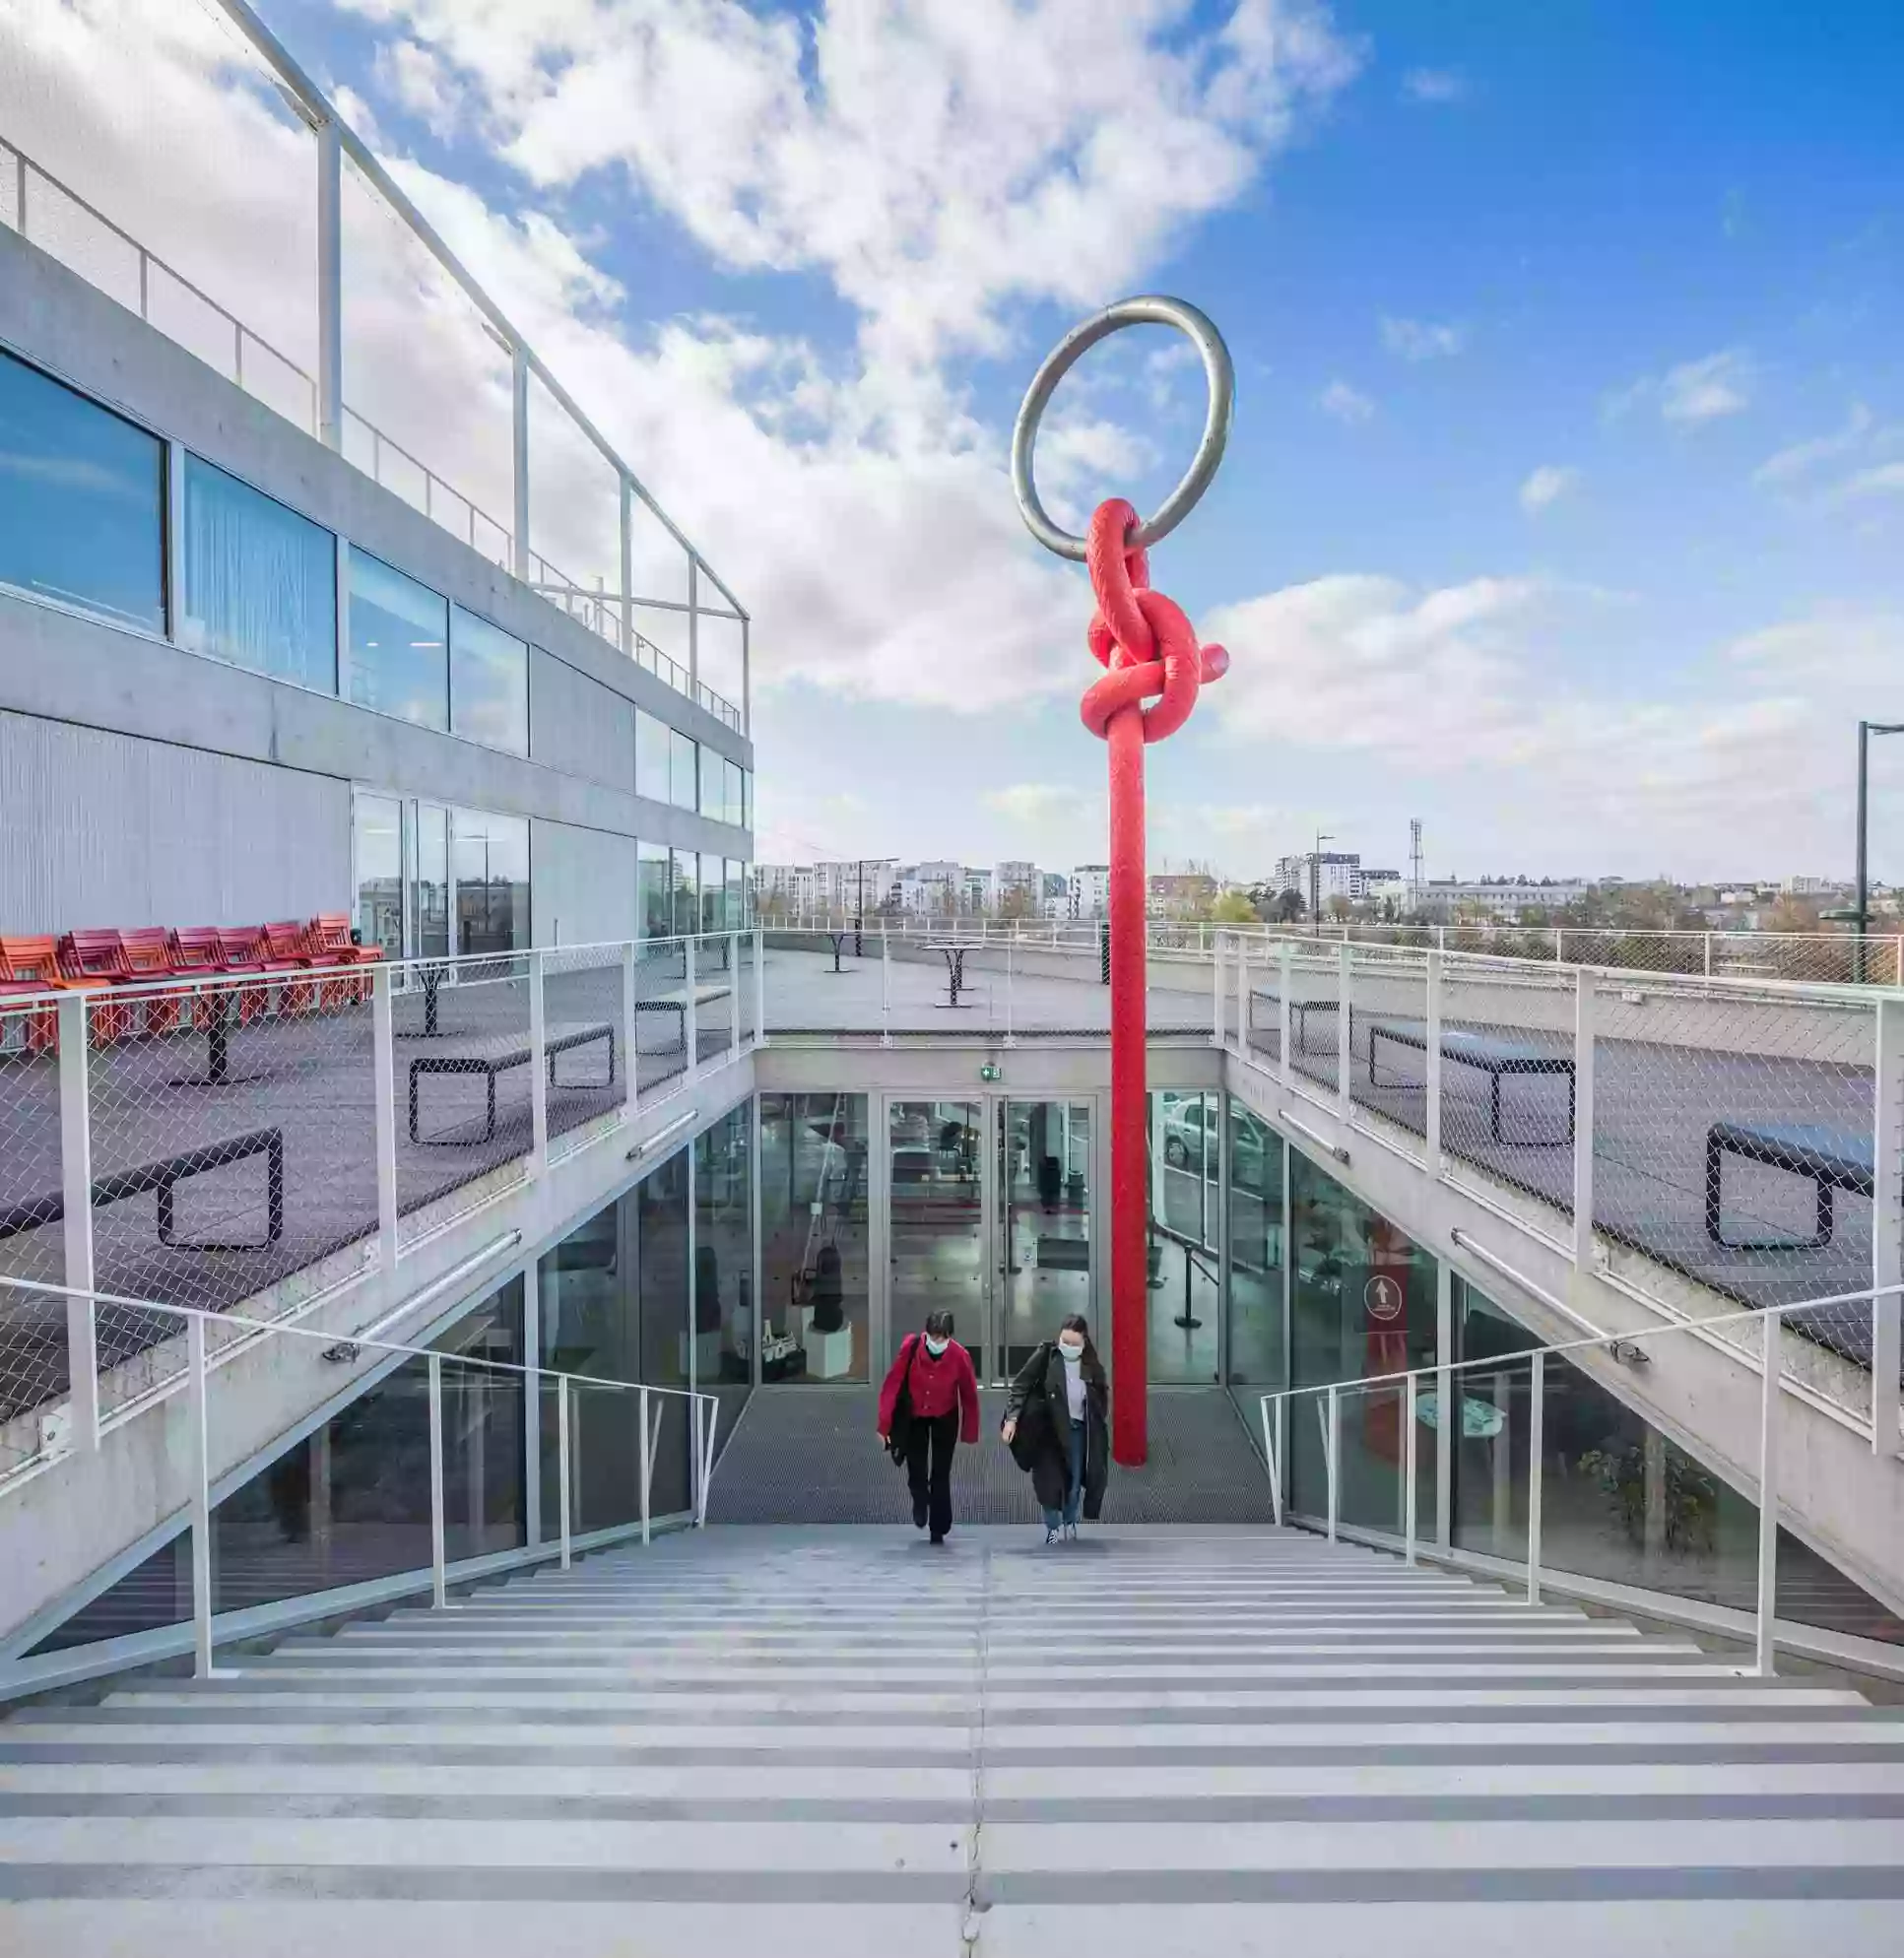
(937, 1346)
(1072, 1353)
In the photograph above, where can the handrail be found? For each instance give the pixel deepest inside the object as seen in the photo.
(1328, 1397)
(702, 1414)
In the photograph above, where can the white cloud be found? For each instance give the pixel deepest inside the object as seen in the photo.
(1422, 339)
(1704, 390)
(1034, 804)
(1346, 404)
(1801, 458)
(1435, 85)
(423, 82)
(1887, 480)
(1546, 486)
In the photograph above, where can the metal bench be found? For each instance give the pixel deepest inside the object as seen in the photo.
(163, 1176)
(1832, 1158)
(1498, 1059)
(497, 1055)
(676, 1003)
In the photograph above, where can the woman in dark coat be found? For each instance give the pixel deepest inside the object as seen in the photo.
(1057, 1425)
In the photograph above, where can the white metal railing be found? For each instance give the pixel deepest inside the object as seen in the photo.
(320, 408)
(1598, 1116)
(1276, 1411)
(348, 1114)
(233, 1332)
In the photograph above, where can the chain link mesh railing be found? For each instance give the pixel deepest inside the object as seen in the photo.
(34, 1374)
(1733, 1140)
(1389, 996)
(661, 1010)
(716, 978)
(587, 1071)
(462, 1083)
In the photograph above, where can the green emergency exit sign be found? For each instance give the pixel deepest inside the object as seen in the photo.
(990, 1071)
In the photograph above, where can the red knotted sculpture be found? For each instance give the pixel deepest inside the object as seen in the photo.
(1151, 655)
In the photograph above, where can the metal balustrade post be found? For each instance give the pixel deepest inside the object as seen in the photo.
(1887, 1224)
(734, 994)
(538, 1068)
(1344, 1031)
(1431, 1070)
(383, 1062)
(760, 987)
(438, 1585)
(647, 1469)
(1708, 954)
(519, 455)
(565, 1454)
(1216, 992)
(1765, 1661)
(75, 1195)
(1586, 1000)
(694, 628)
(1332, 1454)
(1285, 1012)
(1408, 1468)
(1537, 1421)
(1011, 946)
(630, 1021)
(691, 1007)
(886, 991)
(628, 563)
(199, 1439)
(330, 288)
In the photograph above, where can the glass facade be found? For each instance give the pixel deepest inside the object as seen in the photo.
(653, 900)
(1185, 1255)
(377, 849)
(260, 582)
(1258, 1352)
(1044, 1167)
(399, 644)
(651, 758)
(488, 684)
(684, 885)
(937, 1217)
(81, 497)
(814, 1237)
(490, 858)
(724, 1325)
(1362, 1304)
(684, 769)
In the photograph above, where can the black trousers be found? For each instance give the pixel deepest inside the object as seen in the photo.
(936, 1438)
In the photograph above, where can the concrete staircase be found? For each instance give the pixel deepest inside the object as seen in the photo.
(836, 1740)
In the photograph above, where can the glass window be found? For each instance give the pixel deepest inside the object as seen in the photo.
(651, 758)
(1256, 1269)
(490, 855)
(653, 902)
(591, 1328)
(712, 786)
(1185, 1259)
(746, 799)
(684, 769)
(736, 896)
(714, 896)
(813, 1237)
(260, 582)
(684, 882)
(81, 499)
(660, 1203)
(724, 1262)
(733, 808)
(379, 850)
(1044, 1197)
(399, 644)
(429, 880)
(489, 682)
(1362, 1303)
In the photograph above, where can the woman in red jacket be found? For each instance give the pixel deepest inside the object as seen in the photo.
(942, 1392)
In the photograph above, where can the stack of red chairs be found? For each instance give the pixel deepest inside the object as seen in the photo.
(309, 968)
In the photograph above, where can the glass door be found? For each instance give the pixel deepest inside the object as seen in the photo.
(1044, 1221)
(1184, 1253)
(935, 1220)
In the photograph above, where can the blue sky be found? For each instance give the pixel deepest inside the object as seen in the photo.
(1565, 494)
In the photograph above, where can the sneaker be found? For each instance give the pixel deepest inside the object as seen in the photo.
(1071, 1533)
(1050, 1536)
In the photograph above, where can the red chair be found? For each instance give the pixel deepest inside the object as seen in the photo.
(99, 957)
(196, 954)
(148, 957)
(28, 967)
(287, 947)
(244, 952)
(330, 938)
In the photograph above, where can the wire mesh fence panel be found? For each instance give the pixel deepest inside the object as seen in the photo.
(232, 1135)
(1262, 1016)
(747, 977)
(583, 1035)
(1508, 1089)
(1388, 1072)
(716, 977)
(1313, 1011)
(463, 1084)
(34, 1376)
(1734, 1136)
(660, 1011)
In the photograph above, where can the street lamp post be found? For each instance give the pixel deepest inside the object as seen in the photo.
(1865, 729)
(1315, 883)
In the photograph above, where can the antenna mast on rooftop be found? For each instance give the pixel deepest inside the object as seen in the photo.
(1415, 863)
